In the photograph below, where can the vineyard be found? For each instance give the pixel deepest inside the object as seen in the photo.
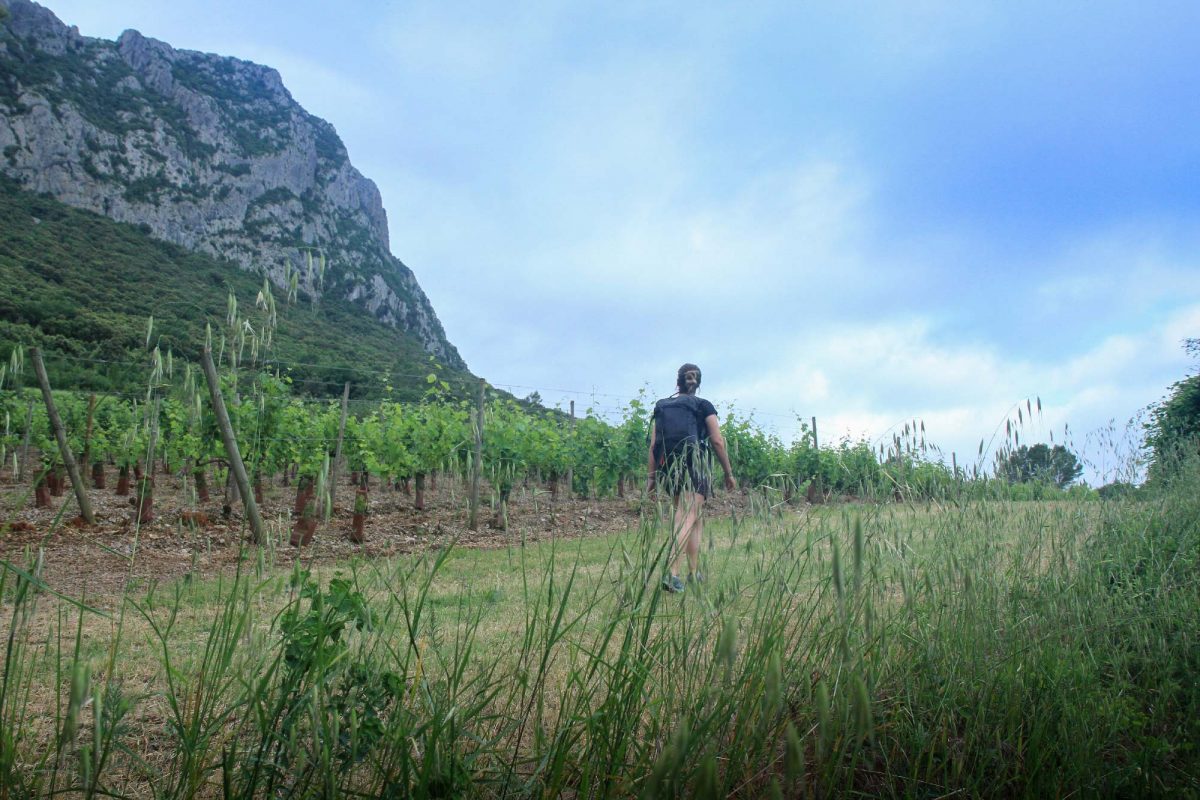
(309, 444)
(215, 584)
(265, 532)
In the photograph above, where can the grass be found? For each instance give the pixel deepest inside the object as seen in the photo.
(984, 648)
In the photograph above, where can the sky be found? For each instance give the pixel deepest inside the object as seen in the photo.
(867, 213)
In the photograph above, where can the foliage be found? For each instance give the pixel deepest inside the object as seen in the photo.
(265, 431)
(325, 704)
(757, 458)
(910, 477)
(277, 430)
(1117, 490)
(1173, 431)
(435, 434)
(1040, 464)
(189, 427)
(507, 433)
(596, 458)
(406, 440)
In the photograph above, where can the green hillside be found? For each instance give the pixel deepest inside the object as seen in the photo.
(82, 287)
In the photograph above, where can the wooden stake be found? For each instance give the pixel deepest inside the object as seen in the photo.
(816, 492)
(337, 452)
(64, 448)
(87, 436)
(571, 468)
(23, 467)
(231, 488)
(236, 466)
(477, 464)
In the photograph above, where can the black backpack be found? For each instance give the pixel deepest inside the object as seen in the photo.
(677, 426)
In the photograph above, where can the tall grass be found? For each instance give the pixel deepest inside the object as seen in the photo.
(981, 648)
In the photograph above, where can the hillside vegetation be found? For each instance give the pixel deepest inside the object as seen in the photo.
(82, 287)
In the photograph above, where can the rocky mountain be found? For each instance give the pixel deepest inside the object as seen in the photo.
(208, 152)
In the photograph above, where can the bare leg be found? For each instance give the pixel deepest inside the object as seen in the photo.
(693, 545)
(676, 547)
(688, 527)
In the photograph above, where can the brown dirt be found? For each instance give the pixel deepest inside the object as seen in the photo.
(99, 562)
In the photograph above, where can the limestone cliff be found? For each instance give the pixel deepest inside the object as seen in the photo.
(208, 152)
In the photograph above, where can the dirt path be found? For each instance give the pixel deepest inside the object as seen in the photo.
(100, 562)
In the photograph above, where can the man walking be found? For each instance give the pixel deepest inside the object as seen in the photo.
(681, 428)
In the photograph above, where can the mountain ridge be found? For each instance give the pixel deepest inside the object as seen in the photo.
(208, 152)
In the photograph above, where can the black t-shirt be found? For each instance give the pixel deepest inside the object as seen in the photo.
(686, 467)
(703, 409)
(706, 408)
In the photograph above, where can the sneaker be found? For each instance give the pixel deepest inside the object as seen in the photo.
(695, 577)
(673, 585)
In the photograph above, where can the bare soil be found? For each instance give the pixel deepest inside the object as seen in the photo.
(100, 562)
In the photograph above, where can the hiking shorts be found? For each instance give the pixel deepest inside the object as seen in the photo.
(681, 474)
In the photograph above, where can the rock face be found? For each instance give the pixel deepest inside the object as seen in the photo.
(209, 152)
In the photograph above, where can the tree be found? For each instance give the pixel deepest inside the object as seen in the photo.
(1174, 425)
(1041, 464)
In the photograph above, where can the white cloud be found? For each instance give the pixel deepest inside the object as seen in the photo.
(1184, 324)
(571, 190)
(1131, 266)
(872, 378)
(483, 43)
(779, 240)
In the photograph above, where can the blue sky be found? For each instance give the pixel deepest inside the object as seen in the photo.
(865, 213)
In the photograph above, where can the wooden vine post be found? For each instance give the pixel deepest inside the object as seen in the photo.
(23, 467)
(815, 491)
(98, 464)
(571, 466)
(231, 448)
(231, 487)
(64, 448)
(477, 462)
(337, 451)
(358, 519)
(86, 458)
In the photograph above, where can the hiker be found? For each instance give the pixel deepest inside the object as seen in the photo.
(681, 427)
